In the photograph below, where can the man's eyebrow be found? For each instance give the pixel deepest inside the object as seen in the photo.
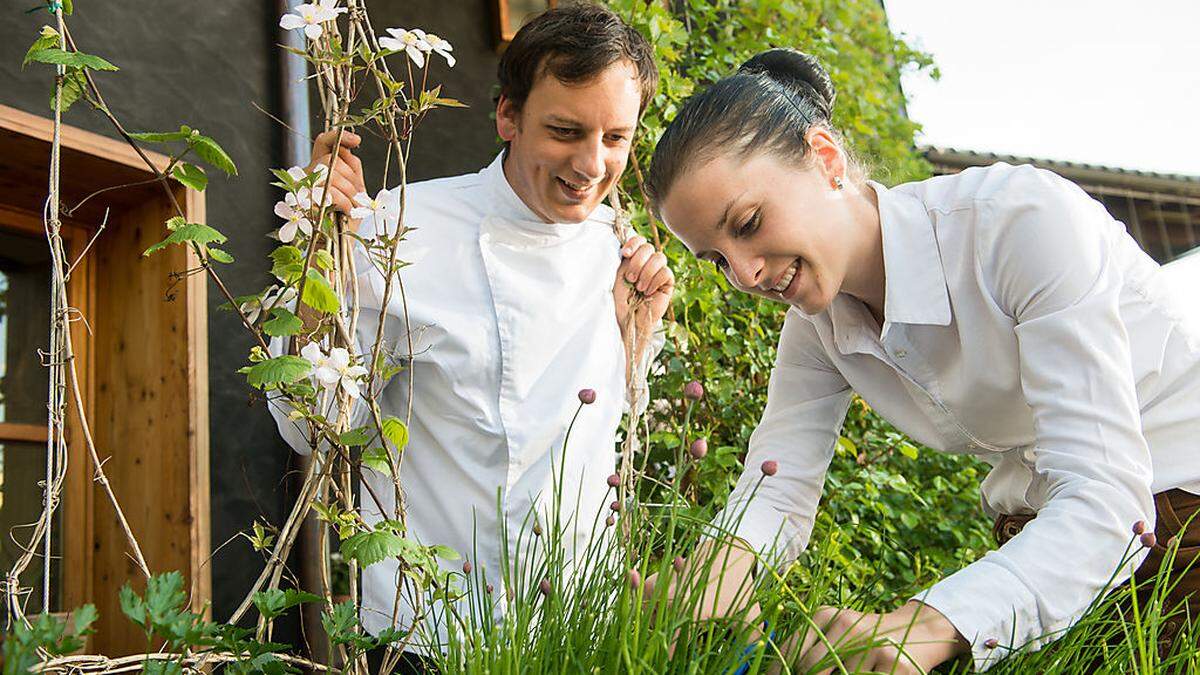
(555, 119)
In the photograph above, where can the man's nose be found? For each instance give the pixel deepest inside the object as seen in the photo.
(588, 161)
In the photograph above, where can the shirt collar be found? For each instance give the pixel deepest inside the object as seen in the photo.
(914, 279)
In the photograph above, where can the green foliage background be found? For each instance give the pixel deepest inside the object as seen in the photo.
(897, 516)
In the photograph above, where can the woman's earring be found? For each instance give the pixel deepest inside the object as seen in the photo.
(837, 183)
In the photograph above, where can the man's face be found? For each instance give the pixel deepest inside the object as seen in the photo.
(568, 144)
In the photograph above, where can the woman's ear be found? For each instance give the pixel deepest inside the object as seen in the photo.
(826, 154)
(508, 119)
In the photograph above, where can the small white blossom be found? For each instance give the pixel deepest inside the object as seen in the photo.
(254, 307)
(442, 47)
(294, 211)
(384, 208)
(411, 42)
(309, 17)
(334, 369)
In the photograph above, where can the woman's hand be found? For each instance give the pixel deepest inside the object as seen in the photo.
(645, 270)
(347, 172)
(716, 580)
(912, 639)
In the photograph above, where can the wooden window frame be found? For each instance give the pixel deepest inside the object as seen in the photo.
(142, 360)
(505, 34)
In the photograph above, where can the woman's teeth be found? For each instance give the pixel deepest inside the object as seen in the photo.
(787, 277)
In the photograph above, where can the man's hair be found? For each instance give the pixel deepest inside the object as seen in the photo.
(574, 43)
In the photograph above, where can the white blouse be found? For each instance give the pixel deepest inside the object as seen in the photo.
(511, 317)
(1022, 325)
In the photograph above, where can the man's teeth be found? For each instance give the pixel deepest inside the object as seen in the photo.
(575, 187)
(787, 277)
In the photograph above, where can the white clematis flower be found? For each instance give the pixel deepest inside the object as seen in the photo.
(295, 212)
(334, 369)
(309, 17)
(384, 208)
(254, 307)
(411, 42)
(442, 47)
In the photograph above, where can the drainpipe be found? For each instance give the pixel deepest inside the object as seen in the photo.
(297, 151)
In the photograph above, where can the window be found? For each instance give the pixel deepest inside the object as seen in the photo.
(512, 14)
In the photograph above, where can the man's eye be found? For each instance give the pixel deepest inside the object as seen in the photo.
(563, 131)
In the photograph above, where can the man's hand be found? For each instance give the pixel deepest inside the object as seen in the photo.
(912, 639)
(645, 270)
(347, 173)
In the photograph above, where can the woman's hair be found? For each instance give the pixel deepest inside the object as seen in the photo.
(767, 106)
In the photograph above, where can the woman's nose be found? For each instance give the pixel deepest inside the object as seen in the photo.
(745, 272)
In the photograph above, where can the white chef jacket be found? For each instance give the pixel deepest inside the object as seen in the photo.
(511, 317)
(1022, 325)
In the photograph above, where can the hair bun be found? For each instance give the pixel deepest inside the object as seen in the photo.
(798, 71)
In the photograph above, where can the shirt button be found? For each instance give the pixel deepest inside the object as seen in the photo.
(900, 353)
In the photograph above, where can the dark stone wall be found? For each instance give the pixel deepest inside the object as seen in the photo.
(206, 65)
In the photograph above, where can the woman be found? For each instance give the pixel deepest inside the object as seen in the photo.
(999, 312)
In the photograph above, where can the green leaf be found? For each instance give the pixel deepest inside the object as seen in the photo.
(274, 602)
(191, 176)
(369, 548)
(359, 436)
(318, 294)
(57, 56)
(339, 623)
(197, 232)
(68, 7)
(160, 137)
(48, 38)
(74, 88)
(279, 370)
(444, 552)
(132, 605)
(212, 153)
(396, 432)
(377, 459)
(323, 259)
(84, 617)
(282, 322)
(219, 255)
(908, 450)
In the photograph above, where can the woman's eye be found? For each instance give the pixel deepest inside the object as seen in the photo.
(749, 226)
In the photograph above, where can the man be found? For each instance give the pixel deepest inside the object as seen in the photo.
(515, 306)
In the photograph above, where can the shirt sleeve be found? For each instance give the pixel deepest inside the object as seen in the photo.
(1048, 254)
(807, 400)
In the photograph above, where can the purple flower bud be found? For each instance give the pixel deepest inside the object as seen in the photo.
(615, 506)
(677, 563)
(614, 481)
(769, 467)
(991, 643)
(693, 391)
(1149, 540)
(1139, 527)
(587, 396)
(544, 587)
(699, 448)
(467, 567)
(610, 521)
(537, 529)
(489, 589)
(635, 579)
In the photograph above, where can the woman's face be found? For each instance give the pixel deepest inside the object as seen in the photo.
(775, 229)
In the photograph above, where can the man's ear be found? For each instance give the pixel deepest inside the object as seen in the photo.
(508, 118)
